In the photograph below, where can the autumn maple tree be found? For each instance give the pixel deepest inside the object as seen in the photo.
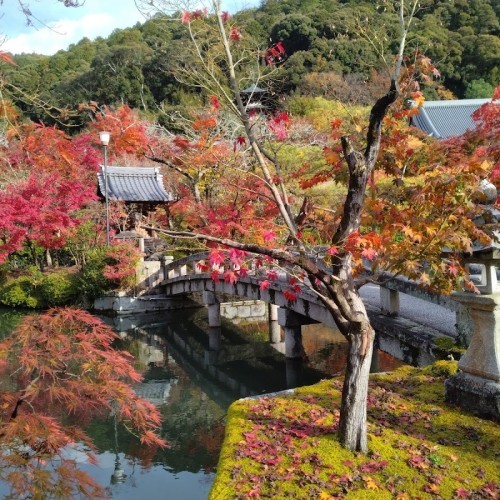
(127, 131)
(41, 210)
(395, 215)
(49, 182)
(58, 371)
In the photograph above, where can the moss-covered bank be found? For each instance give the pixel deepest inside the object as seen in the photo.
(286, 446)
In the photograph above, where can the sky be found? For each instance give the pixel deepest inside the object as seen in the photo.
(61, 26)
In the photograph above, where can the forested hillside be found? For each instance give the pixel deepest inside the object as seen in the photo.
(331, 50)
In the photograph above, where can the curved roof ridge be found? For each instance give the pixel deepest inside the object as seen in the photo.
(134, 184)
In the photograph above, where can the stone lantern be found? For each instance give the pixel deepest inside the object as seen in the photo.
(477, 385)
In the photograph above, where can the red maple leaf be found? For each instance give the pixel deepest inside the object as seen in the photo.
(230, 277)
(369, 253)
(272, 275)
(264, 285)
(235, 34)
(214, 101)
(269, 236)
(7, 58)
(290, 296)
(216, 256)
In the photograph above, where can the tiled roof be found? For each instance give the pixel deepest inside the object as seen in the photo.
(253, 89)
(134, 184)
(443, 119)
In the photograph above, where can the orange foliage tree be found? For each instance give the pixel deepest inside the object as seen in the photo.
(128, 132)
(58, 371)
(423, 202)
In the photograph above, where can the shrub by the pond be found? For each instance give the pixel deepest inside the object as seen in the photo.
(60, 288)
(23, 291)
(91, 280)
(36, 290)
(286, 446)
(107, 269)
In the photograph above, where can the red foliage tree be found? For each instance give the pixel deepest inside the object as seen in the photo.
(51, 151)
(122, 261)
(40, 211)
(59, 372)
(487, 119)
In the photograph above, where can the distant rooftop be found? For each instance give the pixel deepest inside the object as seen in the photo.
(134, 184)
(253, 89)
(443, 119)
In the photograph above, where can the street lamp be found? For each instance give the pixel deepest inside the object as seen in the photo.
(104, 137)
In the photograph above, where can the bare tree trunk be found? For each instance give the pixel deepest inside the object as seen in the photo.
(360, 336)
(352, 425)
(48, 258)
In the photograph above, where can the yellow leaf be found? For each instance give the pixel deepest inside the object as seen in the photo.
(408, 231)
(370, 483)
(424, 278)
(414, 143)
(431, 230)
(486, 165)
(418, 100)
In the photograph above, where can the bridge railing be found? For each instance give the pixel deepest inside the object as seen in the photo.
(390, 290)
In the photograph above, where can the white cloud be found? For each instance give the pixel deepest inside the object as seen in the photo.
(70, 25)
(64, 26)
(60, 35)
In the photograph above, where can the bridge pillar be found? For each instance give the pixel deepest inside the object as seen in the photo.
(214, 338)
(293, 342)
(389, 301)
(477, 386)
(274, 327)
(292, 325)
(213, 305)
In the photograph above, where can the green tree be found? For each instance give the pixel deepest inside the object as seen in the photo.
(478, 89)
(295, 31)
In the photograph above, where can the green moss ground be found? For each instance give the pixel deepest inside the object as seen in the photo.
(287, 447)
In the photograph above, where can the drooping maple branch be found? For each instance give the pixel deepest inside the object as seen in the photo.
(332, 299)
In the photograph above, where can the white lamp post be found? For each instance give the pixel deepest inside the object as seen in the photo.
(104, 137)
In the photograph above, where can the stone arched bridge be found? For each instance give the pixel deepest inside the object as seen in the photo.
(476, 387)
(476, 318)
(184, 277)
(406, 340)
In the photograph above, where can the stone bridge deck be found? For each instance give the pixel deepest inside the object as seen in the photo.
(406, 327)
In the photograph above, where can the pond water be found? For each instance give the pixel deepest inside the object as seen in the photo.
(193, 387)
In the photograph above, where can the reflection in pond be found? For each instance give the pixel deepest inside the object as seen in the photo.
(192, 373)
(9, 319)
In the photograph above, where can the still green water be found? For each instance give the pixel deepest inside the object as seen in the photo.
(193, 387)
